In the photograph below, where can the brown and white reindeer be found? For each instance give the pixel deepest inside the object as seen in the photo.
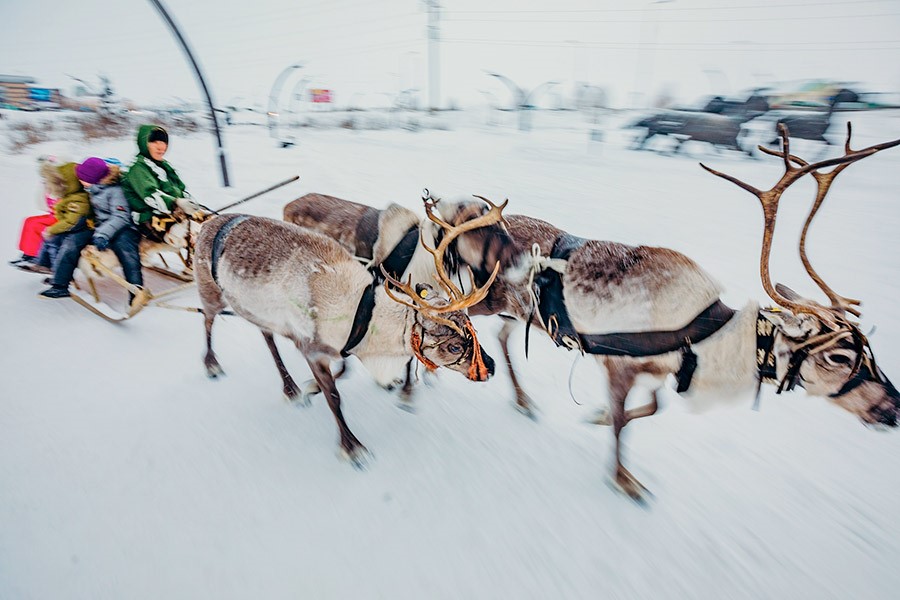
(388, 238)
(304, 286)
(647, 312)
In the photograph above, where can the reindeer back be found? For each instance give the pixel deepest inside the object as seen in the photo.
(612, 287)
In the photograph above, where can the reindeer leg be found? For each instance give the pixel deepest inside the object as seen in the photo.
(311, 388)
(621, 378)
(604, 416)
(351, 448)
(289, 388)
(213, 369)
(523, 403)
(406, 399)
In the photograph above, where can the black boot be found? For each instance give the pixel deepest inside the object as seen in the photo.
(56, 291)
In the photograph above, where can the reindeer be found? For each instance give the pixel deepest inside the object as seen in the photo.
(813, 126)
(719, 124)
(647, 312)
(302, 285)
(388, 237)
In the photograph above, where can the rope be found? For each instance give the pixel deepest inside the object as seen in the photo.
(539, 263)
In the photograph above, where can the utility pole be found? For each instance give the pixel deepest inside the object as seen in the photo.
(434, 62)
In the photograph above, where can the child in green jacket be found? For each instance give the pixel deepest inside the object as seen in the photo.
(153, 188)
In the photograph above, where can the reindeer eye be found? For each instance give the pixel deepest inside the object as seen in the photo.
(454, 348)
(838, 359)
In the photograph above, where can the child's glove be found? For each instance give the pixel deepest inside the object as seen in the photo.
(101, 242)
(187, 205)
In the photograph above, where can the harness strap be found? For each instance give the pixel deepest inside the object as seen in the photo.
(395, 264)
(367, 232)
(652, 343)
(219, 241)
(765, 349)
(548, 293)
(361, 319)
(765, 355)
(399, 258)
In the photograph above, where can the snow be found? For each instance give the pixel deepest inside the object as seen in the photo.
(126, 473)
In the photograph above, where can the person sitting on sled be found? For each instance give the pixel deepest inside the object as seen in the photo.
(113, 229)
(153, 188)
(38, 254)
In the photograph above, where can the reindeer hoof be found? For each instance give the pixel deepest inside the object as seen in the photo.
(393, 385)
(310, 389)
(407, 405)
(526, 409)
(298, 399)
(601, 417)
(625, 483)
(359, 458)
(214, 371)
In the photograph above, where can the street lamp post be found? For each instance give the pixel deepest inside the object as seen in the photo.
(521, 99)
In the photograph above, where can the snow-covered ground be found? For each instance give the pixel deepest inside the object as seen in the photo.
(126, 473)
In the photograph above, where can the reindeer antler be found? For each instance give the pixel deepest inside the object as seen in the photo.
(430, 310)
(769, 200)
(494, 215)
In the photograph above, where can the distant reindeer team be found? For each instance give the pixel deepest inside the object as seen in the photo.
(339, 278)
(720, 123)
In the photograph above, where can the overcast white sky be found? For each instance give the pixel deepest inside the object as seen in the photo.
(689, 48)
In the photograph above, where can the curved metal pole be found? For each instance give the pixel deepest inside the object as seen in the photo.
(518, 94)
(212, 111)
(272, 112)
(533, 93)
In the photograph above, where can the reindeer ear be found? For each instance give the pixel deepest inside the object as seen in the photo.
(425, 291)
(789, 294)
(433, 296)
(798, 327)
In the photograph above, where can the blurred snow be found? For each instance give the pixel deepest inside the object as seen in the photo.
(126, 473)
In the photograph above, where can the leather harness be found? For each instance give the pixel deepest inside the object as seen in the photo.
(394, 264)
(219, 242)
(552, 307)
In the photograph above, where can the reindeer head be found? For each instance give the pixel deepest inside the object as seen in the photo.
(445, 335)
(821, 347)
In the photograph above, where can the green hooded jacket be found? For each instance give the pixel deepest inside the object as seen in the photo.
(73, 211)
(150, 186)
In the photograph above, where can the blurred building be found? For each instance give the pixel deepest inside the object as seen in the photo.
(19, 92)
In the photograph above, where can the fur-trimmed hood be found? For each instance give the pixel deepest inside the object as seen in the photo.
(60, 180)
(113, 177)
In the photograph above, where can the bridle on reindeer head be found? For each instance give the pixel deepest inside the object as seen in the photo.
(458, 300)
(838, 326)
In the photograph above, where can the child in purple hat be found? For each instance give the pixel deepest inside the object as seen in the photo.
(113, 229)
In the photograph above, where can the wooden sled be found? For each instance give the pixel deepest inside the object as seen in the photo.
(100, 288)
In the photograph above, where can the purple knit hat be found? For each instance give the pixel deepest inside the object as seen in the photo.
(92, 170)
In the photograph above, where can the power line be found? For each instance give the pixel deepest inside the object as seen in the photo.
(687, 46)
(671, 21)
(778, 6)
